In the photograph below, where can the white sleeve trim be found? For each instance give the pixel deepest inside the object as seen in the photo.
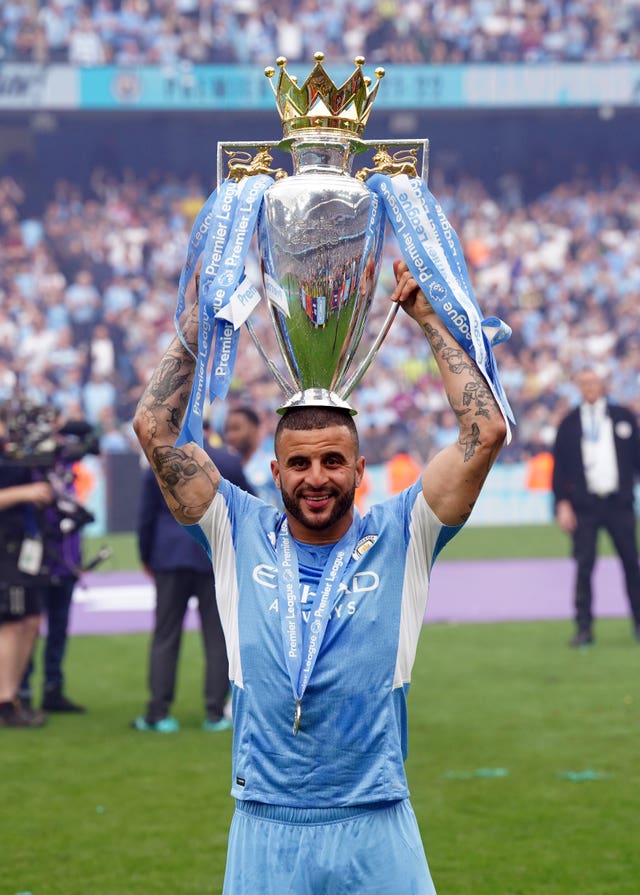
(424, 529)
(216, 527)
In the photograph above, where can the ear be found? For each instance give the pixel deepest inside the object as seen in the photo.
(360, 466)
(275, 472)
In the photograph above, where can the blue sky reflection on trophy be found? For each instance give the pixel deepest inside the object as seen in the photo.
(320, 234)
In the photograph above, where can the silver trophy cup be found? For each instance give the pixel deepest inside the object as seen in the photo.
(320, 237)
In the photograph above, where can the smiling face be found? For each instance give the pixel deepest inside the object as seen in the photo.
(318, 471)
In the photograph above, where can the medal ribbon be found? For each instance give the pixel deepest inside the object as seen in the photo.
(301, 652)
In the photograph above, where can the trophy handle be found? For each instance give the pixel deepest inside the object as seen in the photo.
(355, 378)
(275, 372)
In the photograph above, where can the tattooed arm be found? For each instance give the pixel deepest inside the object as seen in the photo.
(186, 475)
(453, 479)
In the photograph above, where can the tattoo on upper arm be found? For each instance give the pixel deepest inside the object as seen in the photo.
(470, 441)
(477, 393)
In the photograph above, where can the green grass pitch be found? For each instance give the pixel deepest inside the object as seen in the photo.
(523, 767)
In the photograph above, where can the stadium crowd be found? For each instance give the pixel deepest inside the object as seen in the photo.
(88, 291)
(197, 32)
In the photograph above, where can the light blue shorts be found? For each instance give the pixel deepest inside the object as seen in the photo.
(372, 849)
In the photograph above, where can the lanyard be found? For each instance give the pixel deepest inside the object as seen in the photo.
(301, 651)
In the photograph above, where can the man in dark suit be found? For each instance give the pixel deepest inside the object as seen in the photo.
(181, 569)
(596, 460)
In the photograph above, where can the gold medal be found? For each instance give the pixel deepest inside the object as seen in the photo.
(296, 717)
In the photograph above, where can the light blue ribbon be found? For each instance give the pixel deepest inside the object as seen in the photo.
(230, 216)
(432, 251)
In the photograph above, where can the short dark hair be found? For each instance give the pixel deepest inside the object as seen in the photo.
(299, 419)
(246, 411)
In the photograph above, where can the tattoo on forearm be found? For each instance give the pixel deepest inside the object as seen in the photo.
(188, 482)
(476, 396)
(169, 377)
(165, 399)
(477, 412)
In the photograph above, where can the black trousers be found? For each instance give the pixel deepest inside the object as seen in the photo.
(57, 598)
(618, 519)
(173, 591)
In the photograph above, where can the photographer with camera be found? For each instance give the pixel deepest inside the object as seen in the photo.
(43, 555)
(21, 588)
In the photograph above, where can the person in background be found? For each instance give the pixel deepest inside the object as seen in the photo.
(62, 561)
(596, 462)
(21, 587)
(64, 570)
(242, 431)
(181, 569)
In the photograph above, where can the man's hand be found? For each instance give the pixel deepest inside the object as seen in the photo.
(409, 295)
(566, 517)
(40, 494)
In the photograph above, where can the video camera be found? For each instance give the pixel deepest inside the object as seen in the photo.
(33, 439)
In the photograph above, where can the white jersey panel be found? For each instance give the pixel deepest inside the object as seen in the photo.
(424, 530)
(216, 525)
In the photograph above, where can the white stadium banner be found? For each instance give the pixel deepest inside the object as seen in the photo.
(25, 86)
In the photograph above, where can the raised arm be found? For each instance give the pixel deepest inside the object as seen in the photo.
(453, 479)
(187, 476)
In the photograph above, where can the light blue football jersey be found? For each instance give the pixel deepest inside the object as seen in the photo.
(352, 741)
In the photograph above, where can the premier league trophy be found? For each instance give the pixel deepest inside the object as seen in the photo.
(320, 229)
(320, 232)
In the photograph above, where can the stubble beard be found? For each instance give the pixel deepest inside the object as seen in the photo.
(341, 507)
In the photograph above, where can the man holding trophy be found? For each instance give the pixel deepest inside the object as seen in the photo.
(322, 608)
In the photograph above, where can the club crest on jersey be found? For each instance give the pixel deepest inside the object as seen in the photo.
(363, 545)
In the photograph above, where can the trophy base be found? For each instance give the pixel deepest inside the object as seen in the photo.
(316, 397)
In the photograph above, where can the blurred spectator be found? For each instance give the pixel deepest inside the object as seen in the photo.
(85, 45)
(56, 23)
(102, 352)
(98, 393)
(114, 439)
(182, 570)
(82, 301)
(243, 432)
(562, 268)
(154, 32)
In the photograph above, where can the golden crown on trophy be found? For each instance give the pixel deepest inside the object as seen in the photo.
(319, 103)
